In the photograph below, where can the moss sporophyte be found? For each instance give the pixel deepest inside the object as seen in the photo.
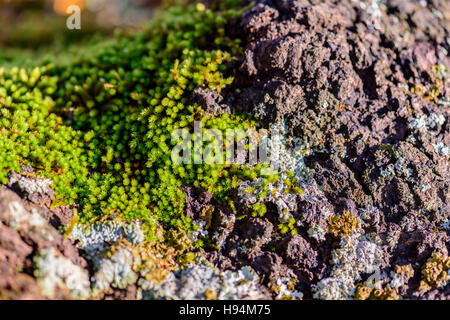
(100, 124)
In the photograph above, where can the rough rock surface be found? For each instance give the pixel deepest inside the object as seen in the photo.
(24, 236)
(364, 86)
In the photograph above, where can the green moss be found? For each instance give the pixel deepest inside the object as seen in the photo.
(288, 227)
(31, 134)
(259, 209)
(99, 125)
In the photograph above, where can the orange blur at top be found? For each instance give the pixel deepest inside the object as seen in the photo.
(60, 6)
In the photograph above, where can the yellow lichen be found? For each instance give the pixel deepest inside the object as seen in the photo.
(435, 272)
(206, 215)
(154, 262)
(344, 225)
(366, 293)
(406, 271)
(210, 294)
(437, 74)
(362, 293)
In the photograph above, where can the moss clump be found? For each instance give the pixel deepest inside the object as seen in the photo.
(288, 227)
(259, 209)
(344, 225)
(99, 125)
(435, 272)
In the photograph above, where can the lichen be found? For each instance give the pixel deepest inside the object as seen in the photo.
(30, 186)
(284, 288)
(200, 280)
(356, 256)
(441, 149)
(95, 238)
(424, 122)
(53, 270)
(343, 225)
(401, 275)
(287, 179)
(115, 270)
(317, 232)
(366, 293)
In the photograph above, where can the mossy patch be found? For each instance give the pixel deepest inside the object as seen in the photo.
(99, 124)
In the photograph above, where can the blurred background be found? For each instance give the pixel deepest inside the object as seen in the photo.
(31, 23)
(40, 25)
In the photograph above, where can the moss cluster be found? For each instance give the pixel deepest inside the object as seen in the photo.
(32, 134)
(99, 125)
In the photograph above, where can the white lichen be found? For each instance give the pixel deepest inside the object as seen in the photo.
(284, 292)
(373, 8)
(317, 232)
(446, 225)
(95, 238)
(356, 256)
(285, 154)
(114, 272)
(197, 279)
(285, 202)
(30, 186)
(53, 271)
(20, 215)
(199, 231)
(441, 149)
(424, 122)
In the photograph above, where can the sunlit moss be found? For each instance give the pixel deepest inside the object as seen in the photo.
(99, 124)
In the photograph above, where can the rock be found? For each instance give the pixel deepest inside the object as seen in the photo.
(209, 100)
(352, 82)
(300, 256)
